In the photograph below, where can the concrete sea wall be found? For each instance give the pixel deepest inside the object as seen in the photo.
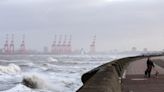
(106, 78)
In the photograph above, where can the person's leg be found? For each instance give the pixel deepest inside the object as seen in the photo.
(149, 73)
(146, 73)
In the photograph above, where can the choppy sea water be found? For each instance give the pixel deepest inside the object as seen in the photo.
(51, 73)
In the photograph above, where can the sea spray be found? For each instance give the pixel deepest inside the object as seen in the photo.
(10, 69)
(37, 81)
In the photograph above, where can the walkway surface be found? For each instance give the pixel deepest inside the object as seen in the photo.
(134, 80)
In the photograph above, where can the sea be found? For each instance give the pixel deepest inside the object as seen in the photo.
(49, 73)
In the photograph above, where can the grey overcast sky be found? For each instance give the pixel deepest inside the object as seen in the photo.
(118, 24)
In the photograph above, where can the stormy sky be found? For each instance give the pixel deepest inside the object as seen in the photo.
(118, 24)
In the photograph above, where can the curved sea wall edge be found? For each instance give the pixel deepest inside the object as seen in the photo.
(107, 77)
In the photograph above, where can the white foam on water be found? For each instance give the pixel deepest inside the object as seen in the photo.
(41, 81)
(10, 69)
(19, 88)
(51, 59)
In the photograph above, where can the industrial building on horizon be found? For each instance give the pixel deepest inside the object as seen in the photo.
(61, 44)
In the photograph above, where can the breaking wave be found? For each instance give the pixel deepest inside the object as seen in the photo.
(51, 59)
(37, 81)
(10, 69)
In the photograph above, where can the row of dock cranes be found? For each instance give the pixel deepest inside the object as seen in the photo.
(60, 45)
(64, 46)
(9, 46)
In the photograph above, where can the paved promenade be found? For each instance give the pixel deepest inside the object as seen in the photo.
(134, 80)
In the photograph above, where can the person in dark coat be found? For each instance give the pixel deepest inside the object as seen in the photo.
(150, 65)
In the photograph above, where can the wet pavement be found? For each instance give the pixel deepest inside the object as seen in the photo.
(135, 81)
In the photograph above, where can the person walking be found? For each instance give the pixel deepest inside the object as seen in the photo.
(150, 65)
